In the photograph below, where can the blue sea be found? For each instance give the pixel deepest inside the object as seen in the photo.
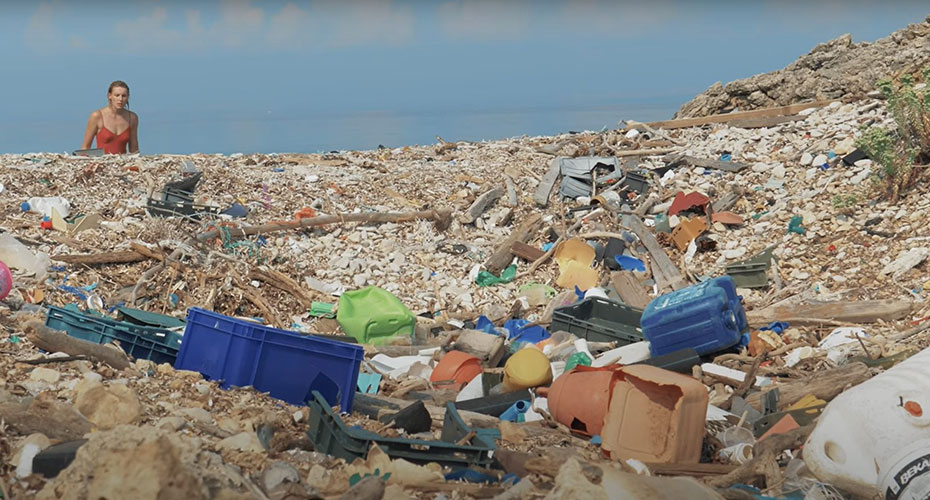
(331, 131)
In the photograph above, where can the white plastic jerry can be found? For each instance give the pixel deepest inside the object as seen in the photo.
(859, 438)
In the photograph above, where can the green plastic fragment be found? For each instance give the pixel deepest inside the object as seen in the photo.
(579, 358)
(322, 309)
(794, 225)
(487, 279)
(14, 339)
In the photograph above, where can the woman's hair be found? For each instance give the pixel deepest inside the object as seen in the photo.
(119, 83)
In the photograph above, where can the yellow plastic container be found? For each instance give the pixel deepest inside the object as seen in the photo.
(527, 368)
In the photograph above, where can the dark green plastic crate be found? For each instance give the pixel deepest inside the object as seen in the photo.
(330, 435)
(140, 342)
(599, 320)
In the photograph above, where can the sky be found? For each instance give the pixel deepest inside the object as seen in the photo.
(304, 76)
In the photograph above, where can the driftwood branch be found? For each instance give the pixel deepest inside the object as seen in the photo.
(50, 340)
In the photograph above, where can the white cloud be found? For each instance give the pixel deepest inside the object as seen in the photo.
(291, 27)
(239, 23)
(485, 19)
(41, 33)
(151, 31)
(371, 21)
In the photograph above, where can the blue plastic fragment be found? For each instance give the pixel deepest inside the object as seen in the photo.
(77, 292)
(516, 411)
(548, 246)
(776, 326)
(726, 157)
(519, 331)
(596, 440)
(628, 263)
(471, 475)
(483, 324)
(24, 206)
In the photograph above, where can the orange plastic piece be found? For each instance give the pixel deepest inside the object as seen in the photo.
(305, 213)
(726, 218)
(684, 202)
(655, 415)
(913, 407)
(687, 230)
(784, 425)
(456, 366)
(579, 399)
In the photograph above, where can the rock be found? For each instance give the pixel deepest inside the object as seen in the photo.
(806, 158)
(171, 423)
(196, 414)
(819, 160)
(135, 463)
(279, 472)
(778, 171)
(107, 407)
(572, 483)
(47, 375)
(244, 441)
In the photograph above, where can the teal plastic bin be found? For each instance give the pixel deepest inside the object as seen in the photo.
(374, 315)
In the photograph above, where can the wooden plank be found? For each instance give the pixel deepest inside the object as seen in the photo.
(548, 181)
(643, 152)
(526, 252)
(763, 122)
(825, 384)
(693, 470)
(481, 204)
(629, 289)
(501, 257)
(664, 270)
(740, 115)
(94, 259)
(862, 311)
(673, 161)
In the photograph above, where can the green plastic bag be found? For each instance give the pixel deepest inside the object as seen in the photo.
(487, 279)
(794, 225)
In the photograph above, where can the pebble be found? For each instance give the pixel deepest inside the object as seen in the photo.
(46, 375)
(806, 158)
(244, 441)
(820, 160)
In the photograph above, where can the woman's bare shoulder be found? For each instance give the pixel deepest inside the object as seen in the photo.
(96, 114)
(133, 118)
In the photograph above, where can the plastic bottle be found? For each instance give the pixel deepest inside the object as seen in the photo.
(875, 432)
(44, 205)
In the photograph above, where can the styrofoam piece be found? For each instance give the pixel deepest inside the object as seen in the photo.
(718, 414)
(841, 336)
(403, 366)
(861, 433)
(472, 390)
(558, 368)
(628, 354)
(24, 467)
(532, 415)
(722, 371)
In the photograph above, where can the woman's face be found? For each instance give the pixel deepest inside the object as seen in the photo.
(118, 97)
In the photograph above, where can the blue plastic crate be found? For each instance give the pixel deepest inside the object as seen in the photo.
(707, 317)
(140, 342)
(287, 365)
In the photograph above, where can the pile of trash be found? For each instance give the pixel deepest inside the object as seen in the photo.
(698, 308)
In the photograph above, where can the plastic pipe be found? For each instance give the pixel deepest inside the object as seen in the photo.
(512, 413)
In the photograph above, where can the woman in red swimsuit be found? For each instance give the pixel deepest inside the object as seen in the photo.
(114, 126)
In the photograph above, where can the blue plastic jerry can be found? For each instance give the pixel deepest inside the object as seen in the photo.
(707, 317)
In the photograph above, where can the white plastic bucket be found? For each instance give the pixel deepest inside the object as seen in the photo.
(861, 433)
